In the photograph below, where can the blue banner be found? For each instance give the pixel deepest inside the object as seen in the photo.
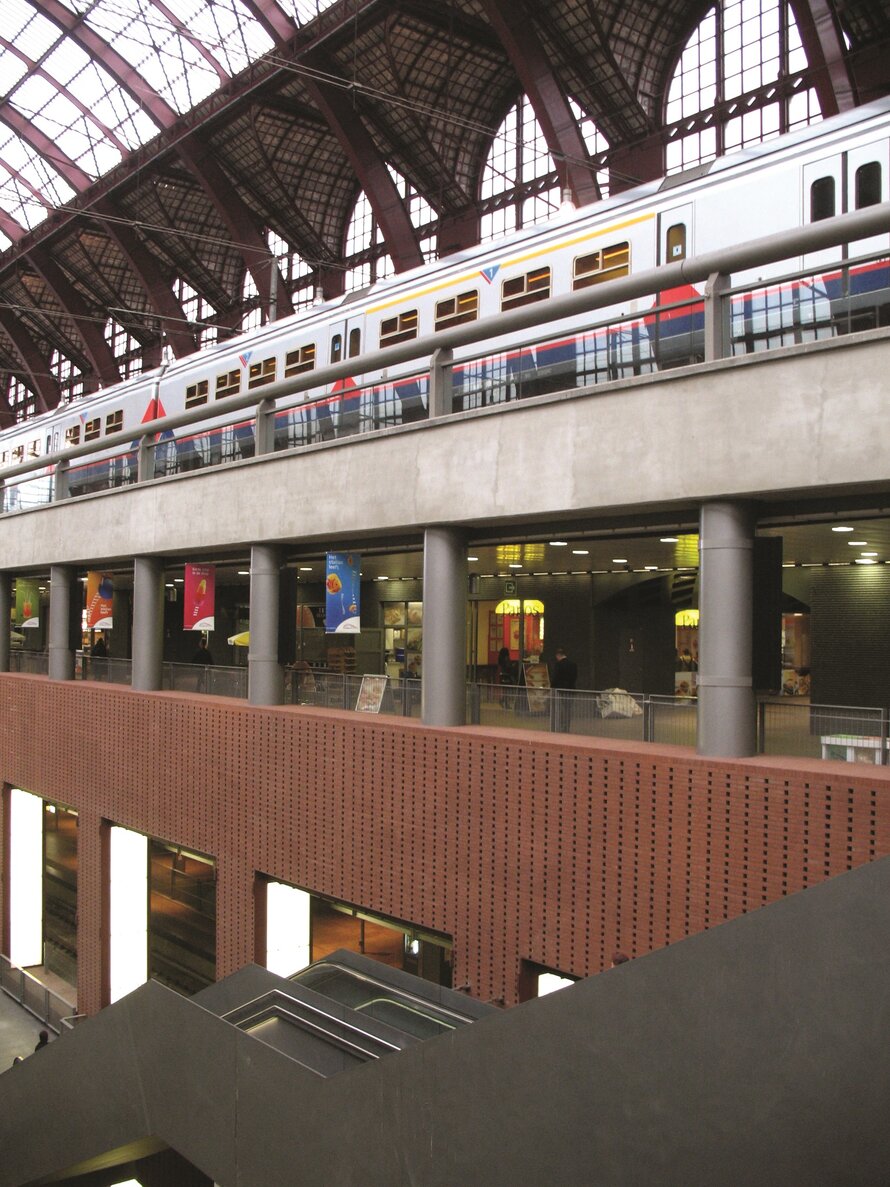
(342, 590)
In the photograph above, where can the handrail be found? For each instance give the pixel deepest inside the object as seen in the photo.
(830, 232)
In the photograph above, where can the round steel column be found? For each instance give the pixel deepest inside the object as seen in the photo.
(61, 653)
(726, 716)
(148, 623)
(444, 672)
(265, 675)
(5, 617)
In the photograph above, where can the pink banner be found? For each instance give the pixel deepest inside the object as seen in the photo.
(200, 596)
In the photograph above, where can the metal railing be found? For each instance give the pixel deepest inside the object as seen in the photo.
(785, 725)
(45, 1004)
(816, 302)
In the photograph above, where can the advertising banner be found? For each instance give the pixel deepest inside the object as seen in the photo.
(199, 605)
(27, 603)
(100, 589)
(342, 597)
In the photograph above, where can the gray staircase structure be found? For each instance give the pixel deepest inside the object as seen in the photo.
(754, 1053)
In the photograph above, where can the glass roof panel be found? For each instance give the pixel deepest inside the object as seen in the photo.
(181, 49)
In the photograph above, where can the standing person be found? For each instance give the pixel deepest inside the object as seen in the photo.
(203, 657)
(99, 659)
(565, 673)
(42, 1040)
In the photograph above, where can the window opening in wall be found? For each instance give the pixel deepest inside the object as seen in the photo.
(822, 199)
(182, 917)
(60, 893)
(738, 48)
(868, 185)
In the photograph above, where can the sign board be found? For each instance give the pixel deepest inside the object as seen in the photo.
(370, 695)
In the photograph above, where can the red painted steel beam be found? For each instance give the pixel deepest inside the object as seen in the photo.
(277, 24)
(163, 300)
(823, 44)
(331, 98)
(515, 28)
(40, 380)
(239, 220)
(46, 148)
(90, 331)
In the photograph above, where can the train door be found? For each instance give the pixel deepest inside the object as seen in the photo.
(340, 416)
(823, 197)
(676, 337)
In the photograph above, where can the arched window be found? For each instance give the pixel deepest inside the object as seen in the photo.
(198, 312)
(298, 275)
(741, 47)
(126, 349)
(520, 184)
(70, 381)
(366, 257)
(20, 398)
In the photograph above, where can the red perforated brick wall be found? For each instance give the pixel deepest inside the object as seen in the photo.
(518, 845)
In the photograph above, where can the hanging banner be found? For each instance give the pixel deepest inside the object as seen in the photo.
(100, 589)
(342, 600)
(27, 603)
(199, 605)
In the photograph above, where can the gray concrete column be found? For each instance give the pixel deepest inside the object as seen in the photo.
(265, 675)
(444, 672)
(148, 623)
(5, 619)
(726, 714)
(62, 590)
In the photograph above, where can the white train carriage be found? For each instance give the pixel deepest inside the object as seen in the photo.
(842, 164)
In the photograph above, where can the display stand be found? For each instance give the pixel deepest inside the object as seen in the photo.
(370, 695)
(537, 687)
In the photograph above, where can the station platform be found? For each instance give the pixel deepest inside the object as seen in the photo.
(19, 1031)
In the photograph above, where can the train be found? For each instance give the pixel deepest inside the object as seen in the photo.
(839, 165)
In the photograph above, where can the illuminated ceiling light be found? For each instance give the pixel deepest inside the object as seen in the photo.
(383, 579)
(650, 569)
(864, 560)
(558, 543)
(472, 558)
(514, 566)
(580, 552)
(670, 540)
(178, 580)
(305, 568)
(619, 560)
(858, 543)
(843, 529)
(869, 554)
(244, 572)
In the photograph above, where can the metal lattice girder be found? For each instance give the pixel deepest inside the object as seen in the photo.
(88, 326)
(163, 301)
(36, 366)
(824, 46)
(331, 99)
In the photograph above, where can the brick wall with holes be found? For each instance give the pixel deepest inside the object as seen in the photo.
(522, 847)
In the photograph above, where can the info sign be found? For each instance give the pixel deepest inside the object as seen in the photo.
(342, 593)
(100, 590)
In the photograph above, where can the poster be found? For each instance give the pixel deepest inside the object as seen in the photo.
(100, 589)
(370, 695)
(342, 593)
(27, 603)
(198, 609)
(537, 683)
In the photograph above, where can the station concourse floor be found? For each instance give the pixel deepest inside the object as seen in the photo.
(19, 1031)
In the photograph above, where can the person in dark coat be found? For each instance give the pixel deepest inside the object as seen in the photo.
(565, 673)
(42, 1040)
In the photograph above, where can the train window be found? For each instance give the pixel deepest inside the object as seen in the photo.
(454, 311)
(72, 435)
(400, 328)
(18, 453)
(868, 184)
(196, 393)
(261, 373)
(298, 361)
(114, 422)
(228, 384)
(608, 264)
(523, 290)
(92, 429)
(822, 199)
(675, 243)
(336, 348)
(33, 449)
(355, 342)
